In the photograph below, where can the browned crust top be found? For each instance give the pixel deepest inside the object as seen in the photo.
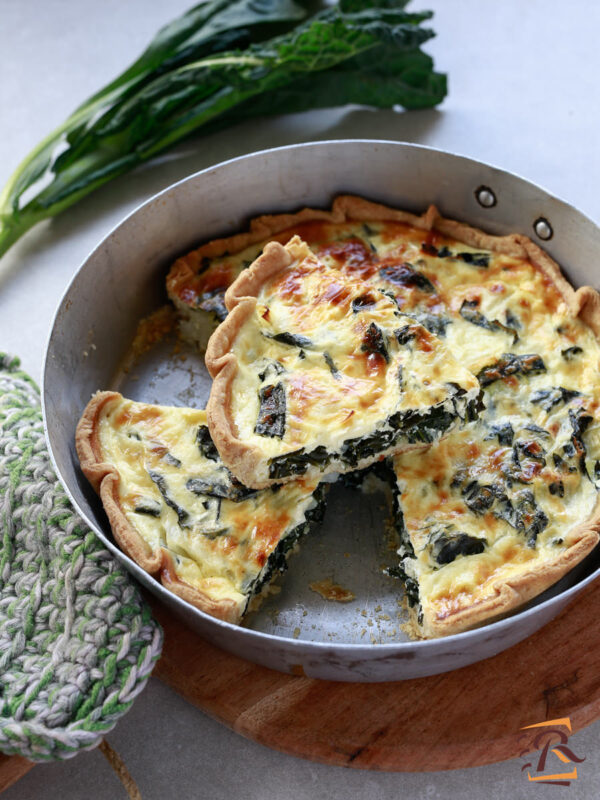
(105, 479)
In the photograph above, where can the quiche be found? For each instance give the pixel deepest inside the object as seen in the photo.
(315, 372)
(179, 513)
(500, 507)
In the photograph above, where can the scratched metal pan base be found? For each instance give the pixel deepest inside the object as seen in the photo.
(122, 281)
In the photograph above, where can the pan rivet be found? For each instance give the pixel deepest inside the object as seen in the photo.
(543, 228)
(485, 197)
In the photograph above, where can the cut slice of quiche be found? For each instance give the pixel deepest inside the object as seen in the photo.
(492, 516)
(317, 372)
(177, 510)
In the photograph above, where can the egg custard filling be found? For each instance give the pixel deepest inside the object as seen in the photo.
(177, 510)
(498, 501)
(316, 372)
(490, 517)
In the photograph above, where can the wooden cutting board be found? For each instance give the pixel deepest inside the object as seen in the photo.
(466, 718)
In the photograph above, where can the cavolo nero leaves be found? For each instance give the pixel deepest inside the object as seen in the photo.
(221, 62)
(207, 28)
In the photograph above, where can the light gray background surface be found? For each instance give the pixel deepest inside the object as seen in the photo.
(523, 95)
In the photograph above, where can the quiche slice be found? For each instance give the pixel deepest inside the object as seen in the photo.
(496, 513)
(179, 513)
(317, 372)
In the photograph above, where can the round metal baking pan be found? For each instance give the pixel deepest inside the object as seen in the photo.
(123, 280)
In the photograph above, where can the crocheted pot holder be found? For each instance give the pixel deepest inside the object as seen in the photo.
(77, 642)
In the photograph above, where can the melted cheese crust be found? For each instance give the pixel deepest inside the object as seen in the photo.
(171, 487)
(333, 360)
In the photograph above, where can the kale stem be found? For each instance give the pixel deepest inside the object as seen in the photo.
(10, 231)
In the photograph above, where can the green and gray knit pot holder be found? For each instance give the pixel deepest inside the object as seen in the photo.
(77, 642)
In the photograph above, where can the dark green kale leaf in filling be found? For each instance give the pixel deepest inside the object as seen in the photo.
(401, 377)
(161, 483)
(331, 364)
(405, 334)
(524, 515)
(374, 342)
(419, 427)
(412, 425)
(368, 231)
(229, 488)
(271, 413)
(406, 545)
(511, 319)
(172, 460)
(472, 408)
(291, 339)
(561, 465)
(469, 312)
(434, 323)
(206, 444)
(554, 396)
(511, 364)
(297, 462)
(411, 586)
(149, 506)
(478, 498)
(476, 259)
(519, 510)
(445, 544)
(503, 430)
(381, 470)
(529, 449)
(570, 352)
(432, 250)
(528, 458)
(576, 448)
(276, 367)
(538, 430)
(364, 302)
(353, 451)
(407, 276)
